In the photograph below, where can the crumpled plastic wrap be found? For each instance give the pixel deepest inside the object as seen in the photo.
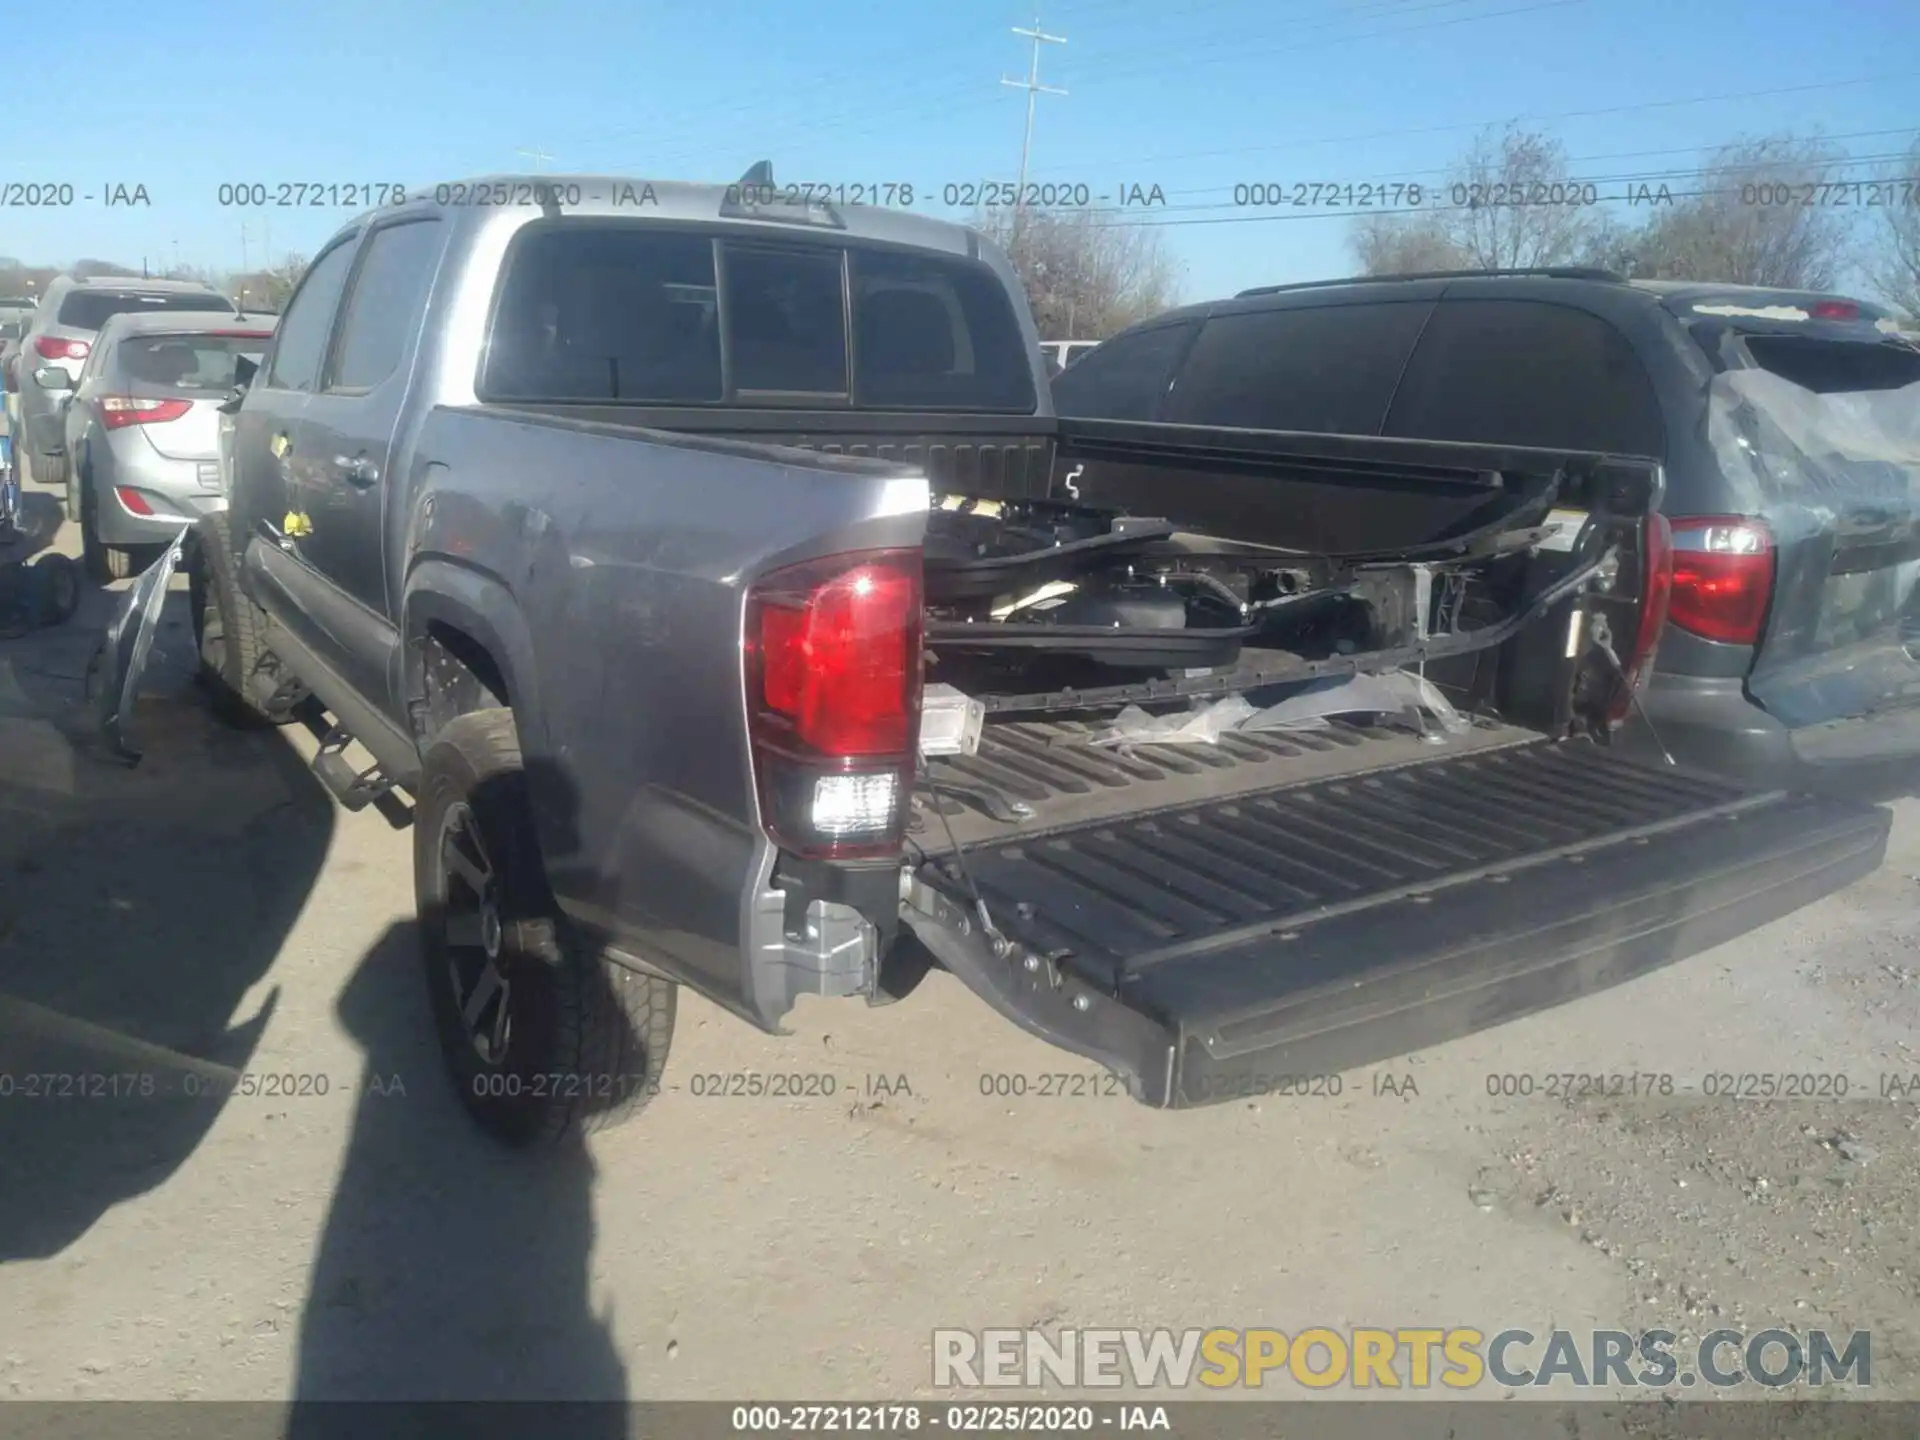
(1801, 458)
(1397, 693)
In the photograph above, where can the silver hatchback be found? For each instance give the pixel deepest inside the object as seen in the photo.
(143, 430)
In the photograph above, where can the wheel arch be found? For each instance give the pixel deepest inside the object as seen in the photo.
(466, 646)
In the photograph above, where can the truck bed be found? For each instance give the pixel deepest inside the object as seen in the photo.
(1047, 767)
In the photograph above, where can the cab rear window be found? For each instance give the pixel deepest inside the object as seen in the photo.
(597, 312)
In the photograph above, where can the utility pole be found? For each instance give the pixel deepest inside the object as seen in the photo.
(1034, 88)
(539, 157)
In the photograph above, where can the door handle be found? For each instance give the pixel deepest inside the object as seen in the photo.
(357, 470)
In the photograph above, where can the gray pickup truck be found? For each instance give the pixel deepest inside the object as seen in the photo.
(708, 567)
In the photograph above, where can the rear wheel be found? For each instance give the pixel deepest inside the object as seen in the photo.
(104, 562)
(544, 1038)
(50, 470)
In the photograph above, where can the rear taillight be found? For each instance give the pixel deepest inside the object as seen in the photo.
(1656, 590)
(118, 411)
(1722, 577)
(51, 347)
(833, 696)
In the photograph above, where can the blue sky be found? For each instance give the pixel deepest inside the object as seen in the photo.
(187, 95)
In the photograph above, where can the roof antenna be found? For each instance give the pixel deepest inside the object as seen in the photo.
(760, 176)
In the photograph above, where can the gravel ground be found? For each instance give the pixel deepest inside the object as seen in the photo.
(213, 905)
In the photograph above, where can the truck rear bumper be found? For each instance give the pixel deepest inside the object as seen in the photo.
(1216, 950)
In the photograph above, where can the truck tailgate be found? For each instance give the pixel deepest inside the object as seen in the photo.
(1206, 949)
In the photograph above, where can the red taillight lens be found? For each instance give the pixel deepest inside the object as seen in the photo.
(833, 689)
(1722, 577)
(51, 347)
(119, 411)
(1834, 310)
(135, 502)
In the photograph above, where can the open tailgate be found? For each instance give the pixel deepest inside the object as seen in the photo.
(1205, 950)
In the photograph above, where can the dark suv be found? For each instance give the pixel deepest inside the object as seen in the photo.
(1788, 424)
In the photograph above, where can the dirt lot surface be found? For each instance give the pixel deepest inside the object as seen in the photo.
(211, 911)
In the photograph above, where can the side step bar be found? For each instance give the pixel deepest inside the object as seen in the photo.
(354, 789)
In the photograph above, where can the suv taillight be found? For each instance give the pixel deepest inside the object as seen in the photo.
(1722, 577)
(52, 347)
(833, 697)
(118, 411)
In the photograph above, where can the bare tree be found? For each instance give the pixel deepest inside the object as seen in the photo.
(1404, 245)
(1512, 205)
(1086, 276)
(1509, 204)
(1895, 265)
(1756, 218)
(268, 288)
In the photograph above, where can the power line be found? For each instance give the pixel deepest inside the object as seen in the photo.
(1632, 109)
(1034, 90)
(940, 106)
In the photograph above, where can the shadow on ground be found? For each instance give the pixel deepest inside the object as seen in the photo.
(137, 910)
(450, 1268)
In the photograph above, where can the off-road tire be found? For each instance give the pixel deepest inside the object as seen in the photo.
(588, 1038)
(226, 626)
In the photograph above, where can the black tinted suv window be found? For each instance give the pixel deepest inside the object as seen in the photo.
(606, 312)
(1520, 372)
(934, 334)
(90, 309)
(1325, 368)
(1123, 379)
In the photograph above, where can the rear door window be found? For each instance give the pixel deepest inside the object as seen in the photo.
(383, 308)
(1519, 372)
(1326, 368)
(1126, 377)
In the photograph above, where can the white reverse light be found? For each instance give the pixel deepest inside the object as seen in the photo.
(854, 804)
